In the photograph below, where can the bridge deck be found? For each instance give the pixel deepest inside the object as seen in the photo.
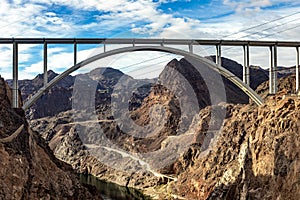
(148, 41)
(272, 45)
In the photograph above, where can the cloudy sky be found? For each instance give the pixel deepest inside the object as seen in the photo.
(200, 19)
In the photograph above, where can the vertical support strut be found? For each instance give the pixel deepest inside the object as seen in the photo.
(246, 69)
(297, 71)
(45, 64)
(273, 70)
(218, 55)
(190, 48)
(75, 52)
(15, 94)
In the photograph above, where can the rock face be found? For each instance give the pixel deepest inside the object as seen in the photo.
(249, 155)
(64, 134)
(64, 139)
(28, 169)
(255, 157)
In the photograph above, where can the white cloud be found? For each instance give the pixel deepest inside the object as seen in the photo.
(126, 17)
(252, 5)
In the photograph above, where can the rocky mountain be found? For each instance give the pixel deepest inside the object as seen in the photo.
(256, 155)
(59, 97)
(56, 100)
(249, 152)
(29, 169)
(50, 105)
(177, 137)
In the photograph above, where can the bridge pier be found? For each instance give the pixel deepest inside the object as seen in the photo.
(246, 70)
(190, 48)
(15, 93)
(45, 64)
(75, 52)
(273, 70)
(297, 71)
(218, 55)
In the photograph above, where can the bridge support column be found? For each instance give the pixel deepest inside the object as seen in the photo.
(218, 55)
(273, 70)
(45, 64)
(75, 52)
(190, 48)
(297, 71)
(246, 68)
(15, 93)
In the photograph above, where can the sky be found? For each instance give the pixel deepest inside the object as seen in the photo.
(189, 19)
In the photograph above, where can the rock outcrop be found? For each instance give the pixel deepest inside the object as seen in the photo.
(64, 134)
(256, 156)
(236, 152)
(28, 168)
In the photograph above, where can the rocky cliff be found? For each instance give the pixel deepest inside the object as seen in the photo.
(28, 168)
(246, 156)
(256, 156)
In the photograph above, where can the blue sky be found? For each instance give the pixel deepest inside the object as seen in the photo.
(200, 19)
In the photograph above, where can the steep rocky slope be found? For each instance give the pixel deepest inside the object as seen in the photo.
(256, 156)
(65, 134)
(28, 169)
(234, 162)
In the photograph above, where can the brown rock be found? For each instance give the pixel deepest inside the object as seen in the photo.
(28, 169)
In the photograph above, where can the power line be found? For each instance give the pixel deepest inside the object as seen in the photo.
(284, 30)
(271, 27)
(125, 67)
(265, 36)
(259, 25)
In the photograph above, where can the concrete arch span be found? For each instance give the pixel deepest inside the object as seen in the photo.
(227, 74)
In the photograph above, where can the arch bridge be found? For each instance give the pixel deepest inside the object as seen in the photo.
(135, 44)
